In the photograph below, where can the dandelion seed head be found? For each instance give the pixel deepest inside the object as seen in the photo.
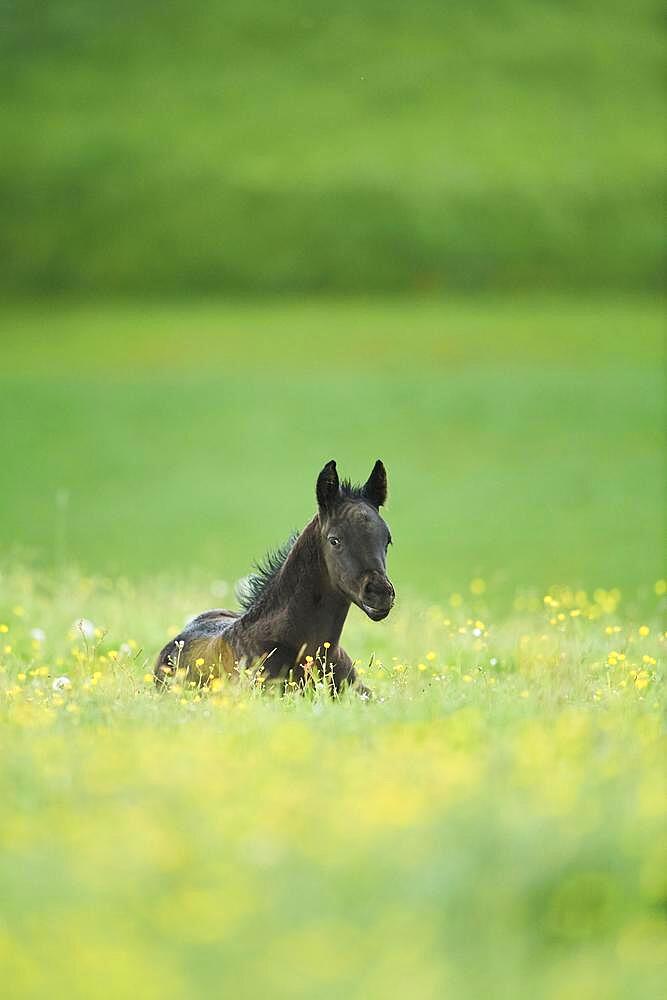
(85, 627)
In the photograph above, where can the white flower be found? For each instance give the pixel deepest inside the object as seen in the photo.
(38, 634)
(85, 626)
(61, 684)
(125, 648)
(493, 661)
(477, 631)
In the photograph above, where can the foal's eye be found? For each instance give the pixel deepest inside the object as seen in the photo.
(334, 540)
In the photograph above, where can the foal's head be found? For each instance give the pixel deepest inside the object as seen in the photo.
(354, 539)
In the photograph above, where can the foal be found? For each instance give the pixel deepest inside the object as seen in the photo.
(298, 600)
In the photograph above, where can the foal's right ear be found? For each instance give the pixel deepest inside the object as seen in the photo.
(328, 486)
(375, 487)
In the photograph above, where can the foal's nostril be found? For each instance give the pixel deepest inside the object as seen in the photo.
(378, 591)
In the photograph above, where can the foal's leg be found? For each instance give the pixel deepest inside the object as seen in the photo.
(343, 672)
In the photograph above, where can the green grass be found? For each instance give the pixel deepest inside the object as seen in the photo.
(374, 146)
(523, 439)
(491, 824)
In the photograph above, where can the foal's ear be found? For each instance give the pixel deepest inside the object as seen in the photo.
(375, 487)
(328, 486)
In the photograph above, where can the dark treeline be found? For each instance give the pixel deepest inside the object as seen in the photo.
(372, 146)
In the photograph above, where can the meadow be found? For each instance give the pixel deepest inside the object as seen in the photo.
(523, 437)
(238, 241)
(493, 822)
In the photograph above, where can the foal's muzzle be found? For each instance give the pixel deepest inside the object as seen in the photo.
(377, 596)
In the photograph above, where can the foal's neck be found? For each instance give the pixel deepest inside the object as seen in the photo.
(305, 607)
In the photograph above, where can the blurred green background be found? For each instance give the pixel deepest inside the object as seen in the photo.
(239, 240)
(300, 146)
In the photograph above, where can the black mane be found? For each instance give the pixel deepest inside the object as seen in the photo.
(265, 570)
(350, 491)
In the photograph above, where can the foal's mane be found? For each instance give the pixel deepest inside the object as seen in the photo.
(265, 570)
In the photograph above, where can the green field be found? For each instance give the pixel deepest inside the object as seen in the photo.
(523, 440)
(491, 825)
(240, 240)
(493, 822)
(374, 146)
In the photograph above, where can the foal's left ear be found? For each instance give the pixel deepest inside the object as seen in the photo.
(328, 487)
(375, 487)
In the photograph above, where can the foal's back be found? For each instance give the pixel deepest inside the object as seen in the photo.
(203, 638)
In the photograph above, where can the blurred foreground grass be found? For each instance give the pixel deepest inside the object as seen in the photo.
(492, 824)
(523, 438)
